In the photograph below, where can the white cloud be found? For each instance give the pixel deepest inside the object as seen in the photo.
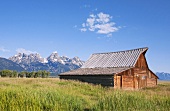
(4, 50)
(21, 50)
(92, 15)
(100, 23)
(106, 28)
(83, 29)
(103, 18)
(90, 21)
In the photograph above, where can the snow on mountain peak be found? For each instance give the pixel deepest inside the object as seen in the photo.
(53, 63)
(77, 61)
(22, 58)
(53, 57)
(45, 60)
(76, 58)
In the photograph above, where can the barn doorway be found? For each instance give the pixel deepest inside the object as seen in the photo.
(119, 81)
(142, 81)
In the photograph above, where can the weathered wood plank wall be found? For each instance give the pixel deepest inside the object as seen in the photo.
(138, 77)
(104, 80)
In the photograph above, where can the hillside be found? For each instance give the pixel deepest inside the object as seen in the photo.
(61, 95)
(8, 64)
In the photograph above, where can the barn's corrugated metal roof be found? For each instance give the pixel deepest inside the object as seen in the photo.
(95, 71)
(126, 58)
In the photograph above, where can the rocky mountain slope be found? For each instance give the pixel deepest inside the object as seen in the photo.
(54, 63)
(7, 64)
(163, 76)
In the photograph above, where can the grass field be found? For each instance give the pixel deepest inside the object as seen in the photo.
(53, 94)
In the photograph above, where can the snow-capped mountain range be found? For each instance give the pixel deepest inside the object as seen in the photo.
(27, 59)
(54, 63)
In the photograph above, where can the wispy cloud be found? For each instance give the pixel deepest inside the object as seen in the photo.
(22, 50)
(100, 23)
(86, 6)
(4, 50)
(83, 29)
(75, 26)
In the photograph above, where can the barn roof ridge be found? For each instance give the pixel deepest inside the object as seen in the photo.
(145, 48)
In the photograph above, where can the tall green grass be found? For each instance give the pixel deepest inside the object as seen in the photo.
(60, 95)
(122, 101)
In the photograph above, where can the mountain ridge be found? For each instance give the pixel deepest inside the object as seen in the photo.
(163, 76)
(53, 63)
(8, 64)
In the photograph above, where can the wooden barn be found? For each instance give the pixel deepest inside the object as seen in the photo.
(124, 69)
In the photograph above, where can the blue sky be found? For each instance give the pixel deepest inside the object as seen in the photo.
(82, 27)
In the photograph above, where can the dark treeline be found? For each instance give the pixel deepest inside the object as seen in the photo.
(11, 73)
